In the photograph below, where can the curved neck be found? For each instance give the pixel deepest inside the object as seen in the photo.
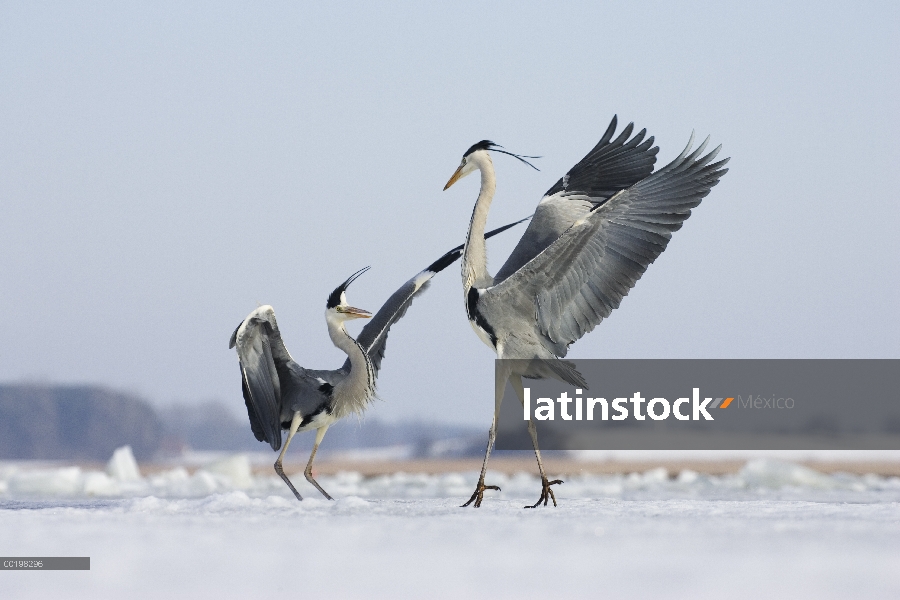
(474, 258)
(353, 392)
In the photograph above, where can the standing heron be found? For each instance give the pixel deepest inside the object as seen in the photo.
(592, 237)
(280, 394)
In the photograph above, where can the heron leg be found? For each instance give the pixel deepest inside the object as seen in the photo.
(478, 494)
(546, 492)
(320, 433)
(295, 424)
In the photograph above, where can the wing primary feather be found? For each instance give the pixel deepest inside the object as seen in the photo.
(615, 163)
(585, 272)
(256, 341)
(610, 130)
(233, 340)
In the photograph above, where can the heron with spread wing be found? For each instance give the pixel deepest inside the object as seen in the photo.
(280, 394)
(591, 238)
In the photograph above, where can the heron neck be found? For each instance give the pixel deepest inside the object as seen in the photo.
(474, 258)
(353, 392)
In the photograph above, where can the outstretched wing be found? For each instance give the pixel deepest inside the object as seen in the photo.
(373, 337)
(612, 166)
(582, 277)
(261, 351)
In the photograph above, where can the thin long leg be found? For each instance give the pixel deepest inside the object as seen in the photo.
(295, 424)
(320, 433)
(478, 494)
(546, 492)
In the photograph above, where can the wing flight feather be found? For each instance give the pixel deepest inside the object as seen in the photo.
(611, 166)
(259, 347)
(581, 277)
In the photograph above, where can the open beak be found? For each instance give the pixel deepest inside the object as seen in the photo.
(356, 313)
(455, 177)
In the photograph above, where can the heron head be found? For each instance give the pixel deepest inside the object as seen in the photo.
(337, 301)
(470, 160)
(477, 154)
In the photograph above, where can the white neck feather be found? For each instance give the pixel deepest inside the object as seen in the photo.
(353, 392)
(474, 258)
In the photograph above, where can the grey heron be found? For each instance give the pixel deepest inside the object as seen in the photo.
(280, 394)
(592, 237)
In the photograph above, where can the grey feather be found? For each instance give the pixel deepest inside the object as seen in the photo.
(581, 277)
(261, 385)
(608, 168)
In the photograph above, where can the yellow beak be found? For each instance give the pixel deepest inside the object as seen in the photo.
(356, 313)
(454, 179)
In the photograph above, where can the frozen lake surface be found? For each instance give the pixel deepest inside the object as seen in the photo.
(773, 530)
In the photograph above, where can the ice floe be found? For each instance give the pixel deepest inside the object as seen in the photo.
(223, 475)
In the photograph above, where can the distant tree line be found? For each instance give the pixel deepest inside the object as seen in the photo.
(74, 423)
(87, 423)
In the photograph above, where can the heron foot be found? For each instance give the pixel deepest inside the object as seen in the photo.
(478, 495)
(546, 492)
(309, 478)
(280, 471)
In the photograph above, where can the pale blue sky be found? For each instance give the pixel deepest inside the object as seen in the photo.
(163, 168)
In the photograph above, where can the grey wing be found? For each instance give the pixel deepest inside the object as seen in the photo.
(261, 352)
(373, 337)
(610, 167)
(582, 277)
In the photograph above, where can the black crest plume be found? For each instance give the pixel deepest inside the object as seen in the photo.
(335, 298)
(489, 145)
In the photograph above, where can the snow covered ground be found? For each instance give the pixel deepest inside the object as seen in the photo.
(773, 530)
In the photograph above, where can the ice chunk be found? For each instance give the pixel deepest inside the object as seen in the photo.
(100, 484)
(122, 466)
(352, 502)
(657, 475)
(170, 478)
(6, 472)
(228, 501)
(688, 476)
(235, 468)
(776, 474)
(65, 481)
(201, 483)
